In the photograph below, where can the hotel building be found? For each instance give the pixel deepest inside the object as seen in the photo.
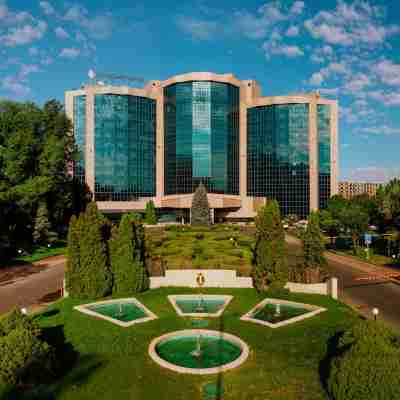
(160, 141)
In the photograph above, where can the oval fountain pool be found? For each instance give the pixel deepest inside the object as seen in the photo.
(198, 351)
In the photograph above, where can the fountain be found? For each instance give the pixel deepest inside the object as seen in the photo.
(203, 305)
(122, 312)
(277, 310)
(198, 351)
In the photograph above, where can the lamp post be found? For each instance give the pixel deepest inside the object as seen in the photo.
(375, 312)
(24, 311)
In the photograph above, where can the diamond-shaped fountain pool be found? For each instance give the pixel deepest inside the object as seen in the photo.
(276, 313)
(122, 312)
(199, 305)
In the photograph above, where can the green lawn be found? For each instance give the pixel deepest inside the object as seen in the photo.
(39, 253)
(113, 362)
(220, 246)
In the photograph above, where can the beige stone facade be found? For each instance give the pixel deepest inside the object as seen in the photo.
(350, 189)
(233, 206)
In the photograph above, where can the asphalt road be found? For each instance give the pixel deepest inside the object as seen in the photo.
(365, 296)
(35, 288)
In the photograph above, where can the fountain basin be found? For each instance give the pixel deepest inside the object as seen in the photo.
(180, 351)
(122, 312)
(275, 313)
(197, 305)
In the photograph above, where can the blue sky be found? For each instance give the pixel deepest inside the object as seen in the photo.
(349, 50)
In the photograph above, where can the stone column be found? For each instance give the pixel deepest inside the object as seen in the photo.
(90, 155)
(313, 155)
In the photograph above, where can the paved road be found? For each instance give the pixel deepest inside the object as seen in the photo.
(37, 287)
(385, 296)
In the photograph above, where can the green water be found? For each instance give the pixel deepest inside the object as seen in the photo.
(191, 306)
(130, 311)
(268, 313)
(214, 351)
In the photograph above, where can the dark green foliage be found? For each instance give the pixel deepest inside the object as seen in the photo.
(95, 272)
(73, 279)
(200, 207)
(151, 217)
(367, 365)
(271, 266)
(36, 149)
(313, 248)
(23, 354)
(355, 220)
(42, 233)
(127, 258)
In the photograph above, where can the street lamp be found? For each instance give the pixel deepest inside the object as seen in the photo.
(24, 311)
(375, 312)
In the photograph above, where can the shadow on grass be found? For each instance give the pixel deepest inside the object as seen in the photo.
(333, 351)
(69, 371)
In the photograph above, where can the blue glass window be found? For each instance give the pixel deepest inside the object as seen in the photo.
(79, 134)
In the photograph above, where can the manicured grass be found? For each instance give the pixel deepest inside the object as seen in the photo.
(221, 246)
(113, 362)
(39, 253)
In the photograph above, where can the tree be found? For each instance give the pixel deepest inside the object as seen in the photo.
(200, 207)
(336, 204)
(271, 267)
(151, 217)
(367, 364)
(42, 230)
(329, 224)
(355, 221)
(127, 263)
(73, 273)
(313, 248)
(93, 255)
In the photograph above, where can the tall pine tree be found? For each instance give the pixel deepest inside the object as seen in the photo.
(313, 247)
(42, 230)
(271, 269)
(127, 263)
(150, 217)
(200, 207)
(93, 255)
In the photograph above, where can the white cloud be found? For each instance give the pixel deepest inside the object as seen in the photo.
(329, 91)
(33, 51)
(357, 23)
(388, 72)
(12, 84)
(316, 79)
(61, 33)
(24, 35)
(380, 130)
(359, 82)
(372, 174)
(289, 51)
(292, 31)
(198, 29)
(388, 99)
(27, 69)
(70, 52)
(297, 7)
(47, 8)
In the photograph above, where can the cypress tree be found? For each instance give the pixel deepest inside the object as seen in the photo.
(126, 258)
(200, 207)
(42, 228)
(150, 217)
(73, 279)
(93, 255)
(271, 267)
(313, 247)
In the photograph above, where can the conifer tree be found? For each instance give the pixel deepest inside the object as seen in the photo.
(150, 217)
(42, 230)
(93, 255)
(313, 243)
(73, 281)
(200, 207)
(126, 258)
(271, 269)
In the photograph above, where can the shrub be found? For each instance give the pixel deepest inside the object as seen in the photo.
(23, 354)
(150, 217)
(367, 364)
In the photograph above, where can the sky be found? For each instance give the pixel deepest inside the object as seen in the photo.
(348, 50)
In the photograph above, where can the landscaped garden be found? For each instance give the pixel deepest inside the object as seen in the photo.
(103, 360)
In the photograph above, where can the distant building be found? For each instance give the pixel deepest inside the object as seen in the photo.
(159, 142)
(351, 189)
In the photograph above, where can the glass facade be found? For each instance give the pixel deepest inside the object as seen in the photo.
(201, 127)
(79, 133)
(324, 148)
(125, 147)
(278, 157)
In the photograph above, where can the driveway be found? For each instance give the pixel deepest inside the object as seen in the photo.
(29, 286)
(363, 296)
